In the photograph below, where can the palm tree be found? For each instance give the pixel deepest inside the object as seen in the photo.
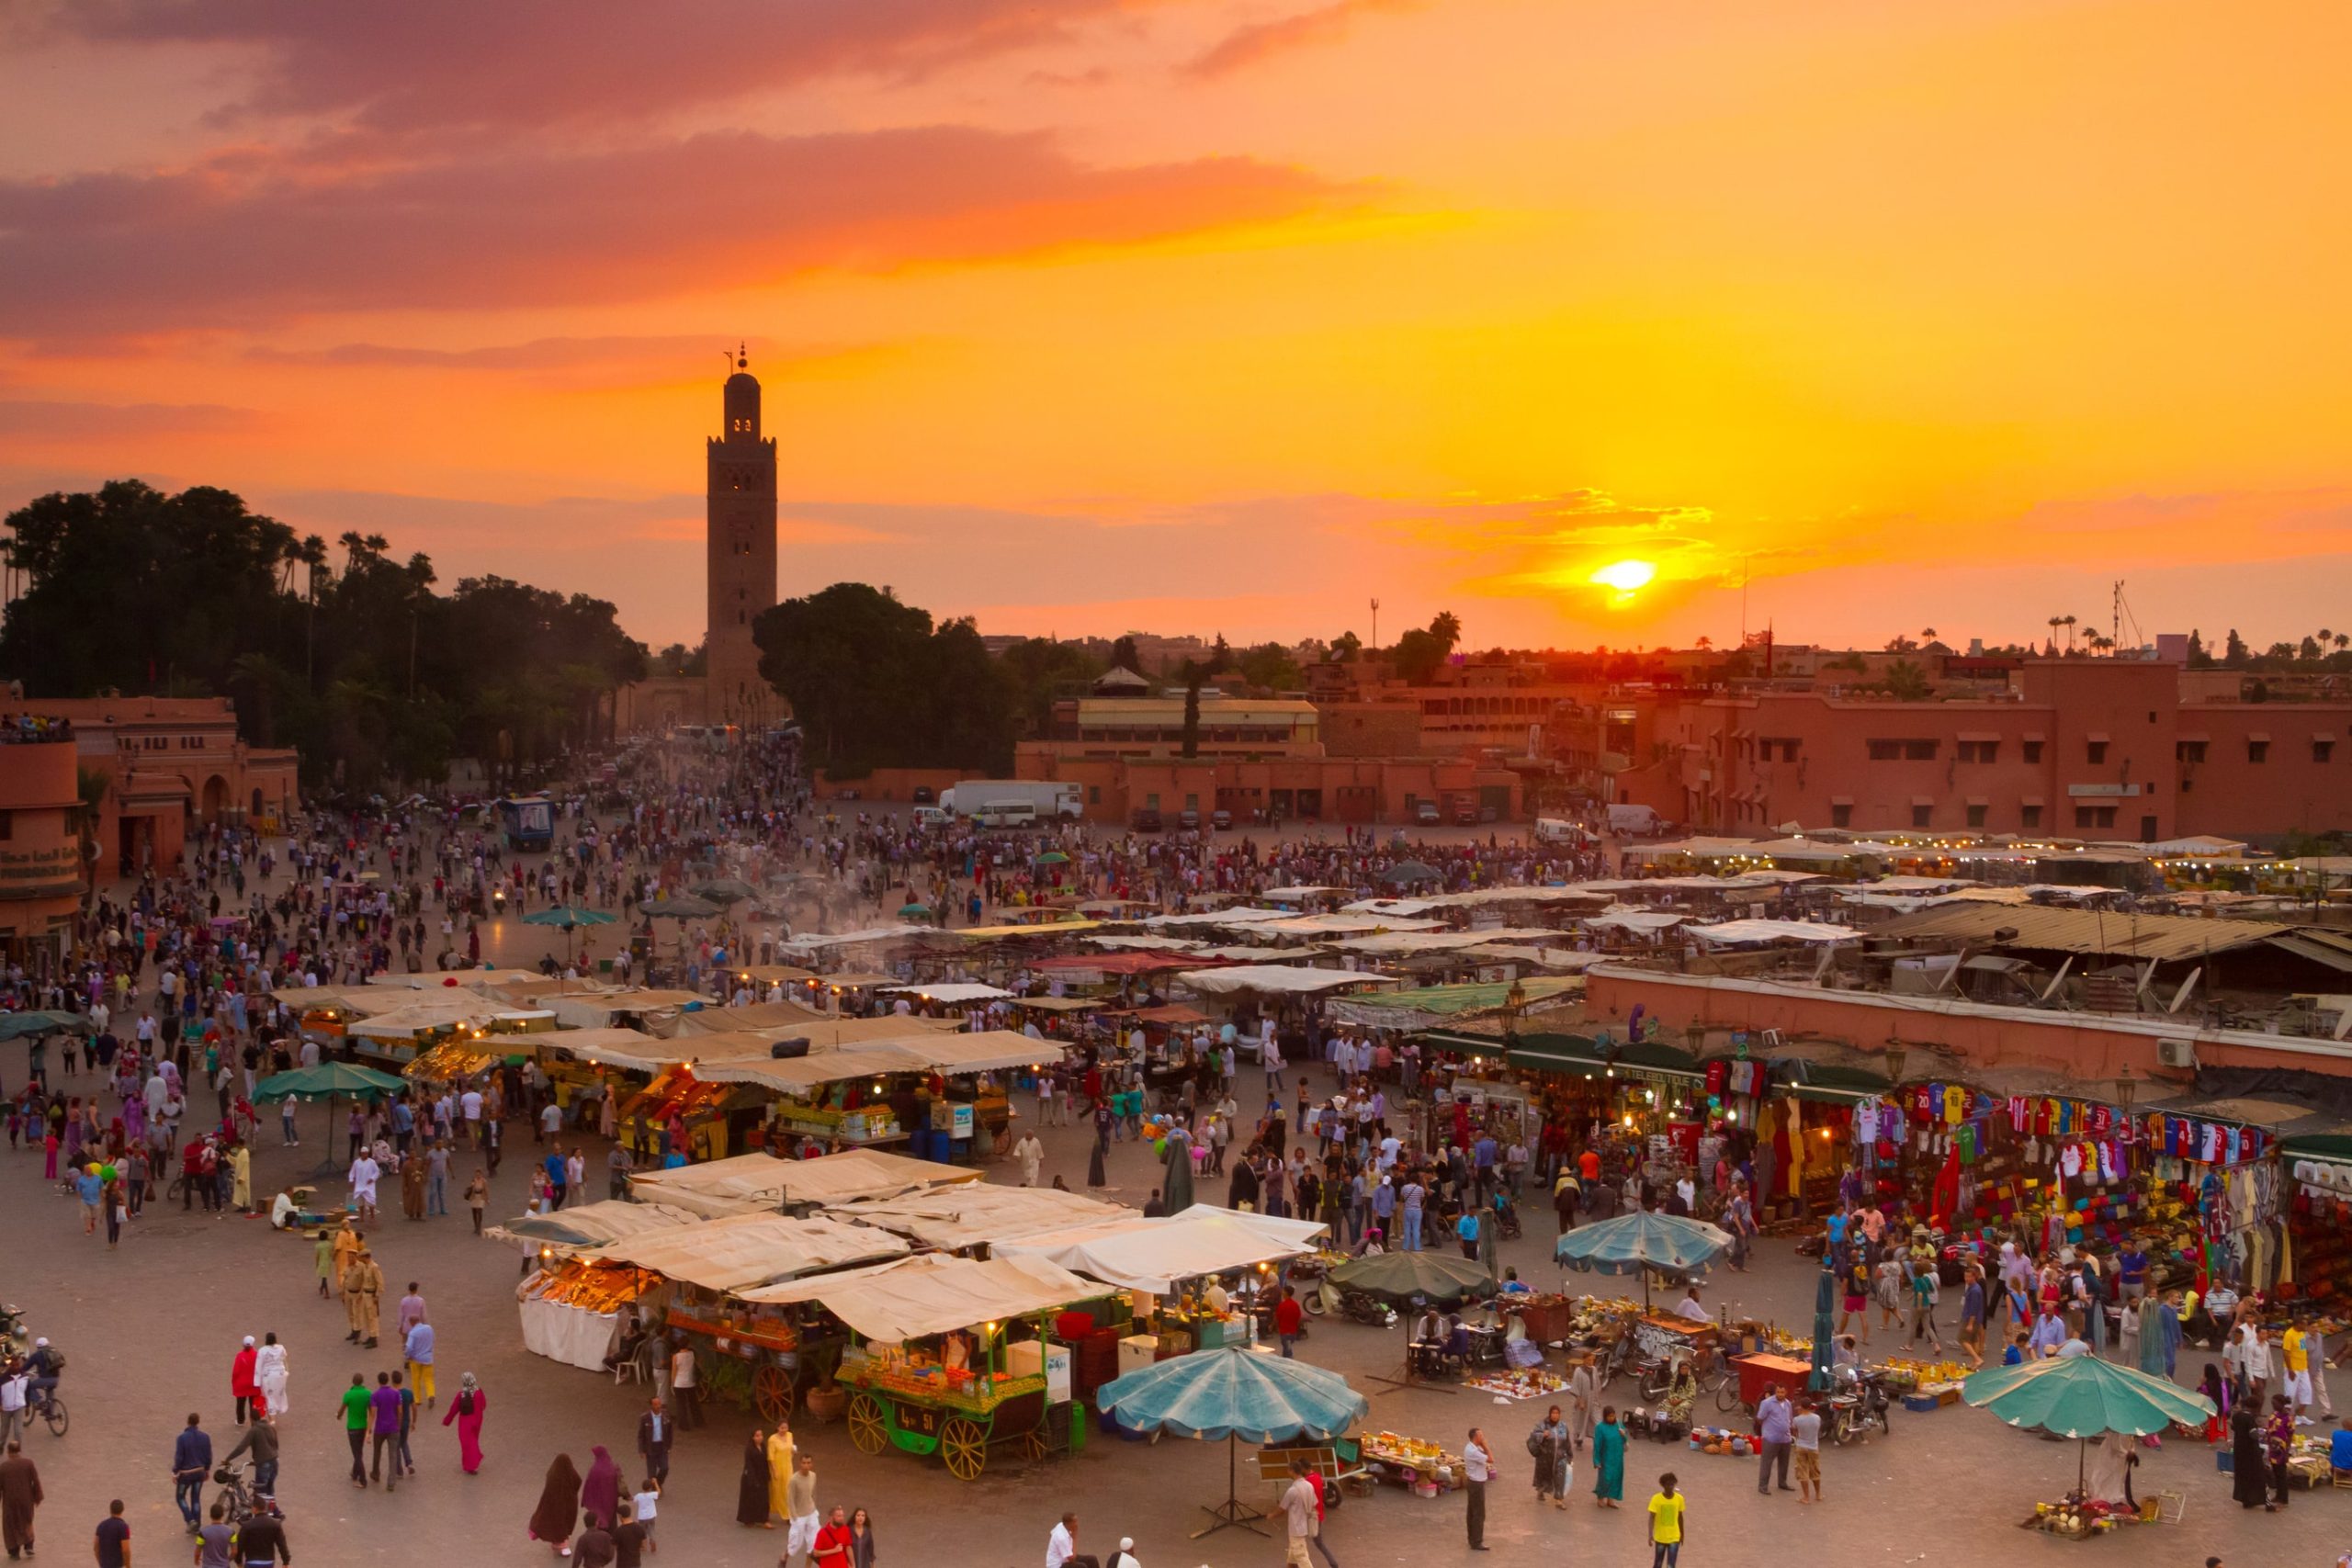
(1195, 675)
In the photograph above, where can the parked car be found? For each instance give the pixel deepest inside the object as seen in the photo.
(1220, 820)
(922, 794)
(1189, 820)
(1426, 814)
(1145, 819)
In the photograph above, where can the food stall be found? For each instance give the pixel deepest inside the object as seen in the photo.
(951, 1354)
(587, 1226)
(572, 1309)
(749, 1184)
(455, 1060)
(750, 1352)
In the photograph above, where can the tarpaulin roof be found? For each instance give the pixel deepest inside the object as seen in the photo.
(1114, 962)
(1173, 1012)
(1424, 1005)
(1152, 1254)
(934, 1293)
(748, 1183)
(1274, 979)
(1723, 932)
(591, 1225)
(2169, 938)
(743, 1251)
(977, 1213)
(424, 1013)
(949, 992)
(1635, 920)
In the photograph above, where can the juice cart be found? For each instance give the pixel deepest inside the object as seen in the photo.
(935, 1363)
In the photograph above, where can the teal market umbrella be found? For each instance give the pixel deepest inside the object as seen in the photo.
(724, 889)
(914, 911)
(328, 1081)
(1234, 1392)
(1641, 1241)
(1410, 871)
(684, 907)
(570, 917)
(1824, 1327)
(2084, 1397)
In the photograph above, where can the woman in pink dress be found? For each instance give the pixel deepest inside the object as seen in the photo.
(466, 1410)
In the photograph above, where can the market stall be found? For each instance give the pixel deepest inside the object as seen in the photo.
(750, 1184)
(974, 1215)
(572, 1310)
(933, 1365)
(564, 1232)
(750, 1351)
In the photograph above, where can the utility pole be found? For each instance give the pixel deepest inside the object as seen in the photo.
(1375, 626)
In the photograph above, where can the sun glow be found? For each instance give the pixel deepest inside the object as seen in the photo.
(1628, 577)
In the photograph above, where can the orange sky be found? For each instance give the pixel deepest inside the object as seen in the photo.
(1201, 315)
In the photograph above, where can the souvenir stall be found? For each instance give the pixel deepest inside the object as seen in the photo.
(763, 1184)
(718, 1117)
(2319, 1165)
(951, 1356)
(751, 1352)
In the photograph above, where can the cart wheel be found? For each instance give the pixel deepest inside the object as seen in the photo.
(772, 1391)
(865, 1430)
(966, 1448)
(1033, 1447)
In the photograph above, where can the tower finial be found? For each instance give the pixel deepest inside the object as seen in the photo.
(743, 360)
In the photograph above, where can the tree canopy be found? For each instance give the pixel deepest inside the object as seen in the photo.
(362, 667)
(876, 685)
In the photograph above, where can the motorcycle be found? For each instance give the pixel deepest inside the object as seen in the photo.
(1360, 1306)
(1858, 1405)
(498, 899)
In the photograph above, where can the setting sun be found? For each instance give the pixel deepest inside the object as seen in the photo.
(1626, 576)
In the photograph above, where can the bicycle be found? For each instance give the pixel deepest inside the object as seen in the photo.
(235, 1496)
(53, 1412)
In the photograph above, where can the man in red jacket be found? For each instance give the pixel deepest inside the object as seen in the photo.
(1288, 1316)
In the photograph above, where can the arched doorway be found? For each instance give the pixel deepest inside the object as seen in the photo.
(215, 798)
(256, 802)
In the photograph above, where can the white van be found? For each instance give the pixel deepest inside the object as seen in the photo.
(1006, 814)
(933, 817)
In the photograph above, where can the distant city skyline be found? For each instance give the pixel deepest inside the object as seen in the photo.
(1075, 315)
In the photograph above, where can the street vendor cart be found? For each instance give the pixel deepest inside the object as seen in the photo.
(935, 1362)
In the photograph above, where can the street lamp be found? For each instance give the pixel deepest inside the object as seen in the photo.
(2127, 1090)
(1896, 1056)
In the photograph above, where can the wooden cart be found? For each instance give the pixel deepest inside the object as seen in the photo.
(925, 1416)
(763, 1367)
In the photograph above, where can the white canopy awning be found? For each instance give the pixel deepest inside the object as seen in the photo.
(978, 1213)
(743, 1251)
(1153, 1253)
(934, 1293)
(953, 993)
(753, 1183)
(1729, 932)
(1274, 979)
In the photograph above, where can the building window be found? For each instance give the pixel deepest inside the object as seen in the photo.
(2321, 750)
(2093, 817)
(2033, 750)
(1785, 746)
(1979, 752)
(2257, 750)
(2188, 784)
(1841, 817)
(1918, 750)
(1976, 817)
(2188, 750)
(2098, 751)
(2029, 816)
(1899, 751)
(8, 826)
(1919, 815)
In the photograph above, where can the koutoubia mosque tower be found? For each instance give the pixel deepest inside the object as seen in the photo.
(739, 548)
(740, 529)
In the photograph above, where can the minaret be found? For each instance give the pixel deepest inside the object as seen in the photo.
(742, 542)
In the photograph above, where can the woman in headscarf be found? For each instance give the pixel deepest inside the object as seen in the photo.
(467, 1410)
(780, 1470)
(559, 1508)
(600, 1494)
(1608, 1460)
(751, 1491)
(2249, 1472)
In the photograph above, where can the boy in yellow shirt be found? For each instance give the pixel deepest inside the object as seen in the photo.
(1666, 1523)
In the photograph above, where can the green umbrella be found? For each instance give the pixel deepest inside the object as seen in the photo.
(16, 1025)
(724, 889)
(1825, 1326)
(568, 916)
(1051, 857)
(2084, 1397)
(1410, 871)
(684, 908)
(1407, 1276)
(328, 1081)
(914, 911)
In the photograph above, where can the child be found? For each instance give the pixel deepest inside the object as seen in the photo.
(642, 1507)
(322, 1261)
(1666, 1523)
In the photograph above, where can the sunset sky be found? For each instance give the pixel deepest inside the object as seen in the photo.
(1081, 316)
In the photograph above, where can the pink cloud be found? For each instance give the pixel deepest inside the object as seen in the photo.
(1307, 30)
(52, 420)
(209, 247)
(442, 64)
